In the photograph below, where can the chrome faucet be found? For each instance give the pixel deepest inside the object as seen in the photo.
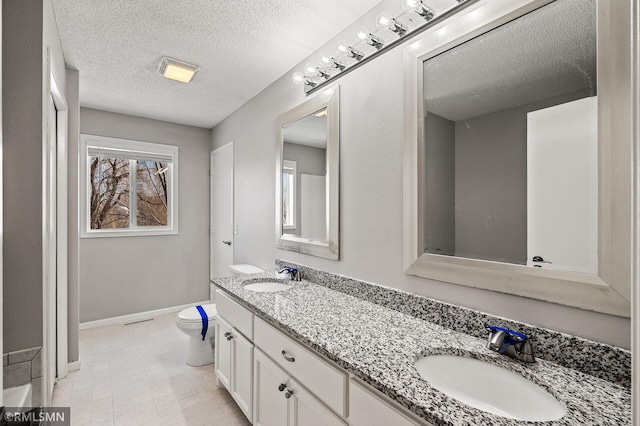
(294, 273)
(510, 343)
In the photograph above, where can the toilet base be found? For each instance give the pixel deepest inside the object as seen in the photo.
(200, 351)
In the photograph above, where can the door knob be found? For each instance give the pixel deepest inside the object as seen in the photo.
(227, 243)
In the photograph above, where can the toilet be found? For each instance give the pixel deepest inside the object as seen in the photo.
(189, 321)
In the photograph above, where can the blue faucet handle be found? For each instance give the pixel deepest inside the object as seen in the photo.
(514, 336)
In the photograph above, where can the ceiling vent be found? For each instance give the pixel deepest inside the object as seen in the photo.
(177, 70)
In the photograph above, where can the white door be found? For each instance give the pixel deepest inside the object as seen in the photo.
(562, 186)
(269, 402)
(313, 207)
(51, 250)
(306, 410)
(221, 211)
(242, 373)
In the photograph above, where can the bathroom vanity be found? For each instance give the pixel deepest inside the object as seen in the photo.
(313, 355)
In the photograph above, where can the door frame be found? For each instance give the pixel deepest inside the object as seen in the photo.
(228, 145)
(1, 215)
(55, 288)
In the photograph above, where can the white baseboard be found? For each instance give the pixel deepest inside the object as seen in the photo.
(137, 317)
(73, 366)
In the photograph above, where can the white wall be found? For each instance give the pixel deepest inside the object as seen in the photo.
(371, 143)
(120, 276)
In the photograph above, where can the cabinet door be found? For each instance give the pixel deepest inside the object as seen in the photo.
(269, 402)
(242, 372)
(223, 353)
(368, 409)
(306, 410)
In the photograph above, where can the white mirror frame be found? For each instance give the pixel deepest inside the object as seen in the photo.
(609, 291)
(330, 247)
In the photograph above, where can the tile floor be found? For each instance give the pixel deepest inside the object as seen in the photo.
(136, 375)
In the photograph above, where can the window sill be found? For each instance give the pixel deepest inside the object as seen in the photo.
(121, 234)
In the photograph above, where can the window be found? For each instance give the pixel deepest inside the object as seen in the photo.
(289, 195)
(129, 188)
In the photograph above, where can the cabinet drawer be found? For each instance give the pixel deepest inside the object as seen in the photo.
(240, 318)
(368, 409)
(324, 380)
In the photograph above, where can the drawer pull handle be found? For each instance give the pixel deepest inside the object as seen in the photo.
(228, 335)
(288, 357)
(282, 387)
(288, 394)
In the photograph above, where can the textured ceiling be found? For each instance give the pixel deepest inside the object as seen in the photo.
(546, 53)
(241, 46)
(310, 131)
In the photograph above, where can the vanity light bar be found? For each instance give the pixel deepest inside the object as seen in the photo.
(416, 17)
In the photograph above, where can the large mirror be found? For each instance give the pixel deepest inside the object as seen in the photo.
(510, 158)
(307, 174)
(508, 172)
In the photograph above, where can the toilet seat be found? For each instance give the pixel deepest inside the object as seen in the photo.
(191, 315)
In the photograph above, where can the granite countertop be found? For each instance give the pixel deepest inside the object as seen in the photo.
(380, 345)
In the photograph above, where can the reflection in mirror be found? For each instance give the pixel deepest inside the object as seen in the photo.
(304, 173)
(308, 173)
(510, 156)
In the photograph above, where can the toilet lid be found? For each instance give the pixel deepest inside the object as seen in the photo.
(245, 269)
(192, 314)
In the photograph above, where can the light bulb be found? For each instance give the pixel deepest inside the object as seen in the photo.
(364, 35)
(343, 47)
(311, 70)
(327, 61)
(418, 7)
(410, 4)
(299, 78)
(386, 22)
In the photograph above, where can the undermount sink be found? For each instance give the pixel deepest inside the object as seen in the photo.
(267, 286)
(489, 388)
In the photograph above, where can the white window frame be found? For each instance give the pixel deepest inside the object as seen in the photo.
(291, 165)
(126, 144)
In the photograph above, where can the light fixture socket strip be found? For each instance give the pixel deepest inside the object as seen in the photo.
(399, 29)
(462, 4)
(375, 42)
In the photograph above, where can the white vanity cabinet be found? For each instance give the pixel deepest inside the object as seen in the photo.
(281, 400)
(277, 381)
(234, 353)
(327, 382)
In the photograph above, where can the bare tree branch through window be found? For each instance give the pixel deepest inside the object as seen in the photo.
(110, 199)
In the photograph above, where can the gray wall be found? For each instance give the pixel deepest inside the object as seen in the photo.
(440, 185)
(73, 224)
(125, 275)
(309, 160)
(28, 29)
(371, 154)
(491, 186)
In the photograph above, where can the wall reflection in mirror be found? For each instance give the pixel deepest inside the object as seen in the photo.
(304, 176)
(510, 154)
(308, 176)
